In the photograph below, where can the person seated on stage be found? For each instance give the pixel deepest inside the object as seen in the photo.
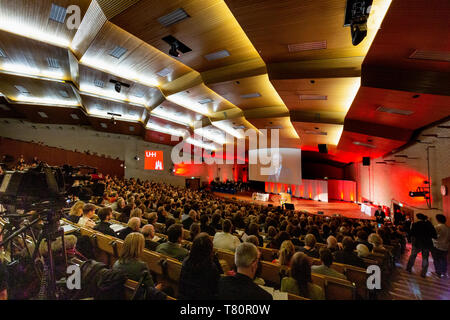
(225, 240)
(310, 246)
(347, 256)
(285, 253)
(105, 215)
(361, 238)
(76, 211)
(299, 281)
(241, 285)
(88, 214)
(200, 272)
(326, 257)
(133, 225)
(172, 247)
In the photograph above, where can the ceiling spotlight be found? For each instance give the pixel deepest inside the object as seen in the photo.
(118, 87)
(113, 120)
(136, 158)
(174, 49)
(356, 16)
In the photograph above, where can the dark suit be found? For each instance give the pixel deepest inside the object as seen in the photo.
(187, 223)
(105, 228)
(123, 234)
(151, 245)
(241, 287)
(379, 216)
(422, 233)
(347, 257)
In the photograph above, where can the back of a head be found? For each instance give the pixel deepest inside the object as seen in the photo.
(441, 218)
(421, 216)
(77, 208)
(134, 223)
(362, 250)
(103, 213)
(332, 242)
(253, 239)
(195, 229)
(88, 207)
(148, 231)
(174, 232)
(201, 250)
(375, 239)
(132, 247)
(271, 231)
(287, 250)
(204, 219)
(362, 235)
(348, 243)
(246, 253)
(136, 213)
(301, 271)
(253, 229)
(310, 240)
(227, 225)
(326, 257)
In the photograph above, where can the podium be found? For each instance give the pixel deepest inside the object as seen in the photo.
(285, 198)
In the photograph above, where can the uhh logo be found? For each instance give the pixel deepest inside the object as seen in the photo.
(154, 160)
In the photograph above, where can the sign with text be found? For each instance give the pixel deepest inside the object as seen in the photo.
(154, 160)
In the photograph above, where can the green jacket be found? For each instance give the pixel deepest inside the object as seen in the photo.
(173, 250)
(290, 285)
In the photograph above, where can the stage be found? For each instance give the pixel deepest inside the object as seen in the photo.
(345, 209)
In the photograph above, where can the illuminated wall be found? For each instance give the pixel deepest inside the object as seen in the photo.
(382, 183)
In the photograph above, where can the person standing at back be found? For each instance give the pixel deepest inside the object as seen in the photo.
(441, 245)
(422, 233)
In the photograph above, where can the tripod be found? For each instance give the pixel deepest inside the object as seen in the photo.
(50, 232)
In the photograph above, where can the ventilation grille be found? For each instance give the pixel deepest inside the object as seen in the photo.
(131, 128)
(43, 115)
(239, 127)
(139, 94)
(64, 93)
(118, 52)
(318, 133)
(74, 116)
(103, 125)
(53, 63)
(251, 95)
(364, 144)
(99, 83)
(312, 97)
(205, 101)
(217, 55)
(22, 90)
(395, 111)
(306, 46)
(173, 17)
(430, 55)
(274, 127)
(58, 13)
(164, 72)
(2, 53)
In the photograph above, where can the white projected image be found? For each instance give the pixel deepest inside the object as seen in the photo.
(281, 165)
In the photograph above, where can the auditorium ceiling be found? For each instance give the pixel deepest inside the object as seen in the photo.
(255, 64)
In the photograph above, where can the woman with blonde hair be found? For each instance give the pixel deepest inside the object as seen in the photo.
(286, 252)
(76, 211)
(129, 260)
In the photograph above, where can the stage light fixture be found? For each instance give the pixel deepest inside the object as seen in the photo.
(356, 16)
(174, 50)
(118, 87)
(414, 194)
(136, 158)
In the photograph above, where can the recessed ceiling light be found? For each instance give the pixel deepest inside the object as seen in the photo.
(58, 13)
(43, 114)
(395, 111)
(164, 72)
(217, 55)
(74, 116)
(251, 95)
(103, 125)
(22, 89)
(205, 101)
(319, 133)
(312, 81)
(274, 127)
(364, 144)
(53, 63)
(312, 97)
(2, 53)
(416, 96)
(99, 83)
(173, 17)
(239, 127)
(118, 52)
(306, 46)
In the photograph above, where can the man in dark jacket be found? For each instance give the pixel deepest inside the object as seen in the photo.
(241, 285)
(347, 256)
(104, 226)
(133, 226)
(422, 233)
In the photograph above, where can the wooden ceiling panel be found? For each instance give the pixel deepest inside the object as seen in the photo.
(119, 127)
(211, 27)
(426, 108)
(273, 25)
(100, 108)
(235, 91)
(161, 138)
(175, 113)
(140, 62)
(312, 134)
(31, 19)
(53, 115)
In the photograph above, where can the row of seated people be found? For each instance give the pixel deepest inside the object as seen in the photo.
(226, 240)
